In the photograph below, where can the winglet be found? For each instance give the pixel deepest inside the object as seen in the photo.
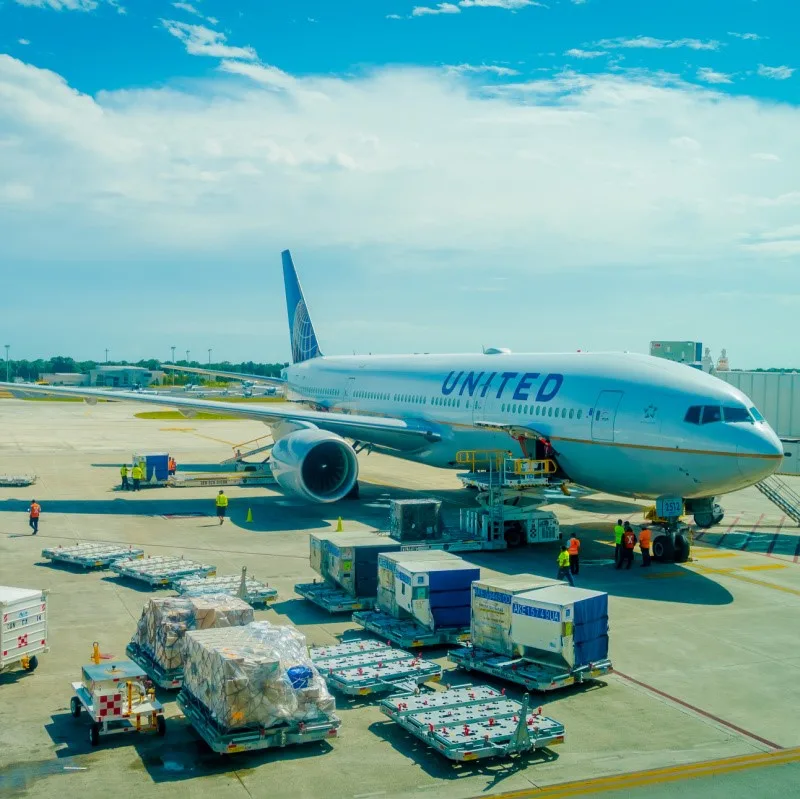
(301, 331)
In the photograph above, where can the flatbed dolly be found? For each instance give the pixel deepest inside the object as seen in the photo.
(92, 556)
(168, 679)
(116, 699)
(331, 598)
(530, 675)
(254, 737)
(406, 632)
(252, 591)
(162, 570)
(473, 722)
(360, 668)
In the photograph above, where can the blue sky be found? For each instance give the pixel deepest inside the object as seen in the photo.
(544, 176)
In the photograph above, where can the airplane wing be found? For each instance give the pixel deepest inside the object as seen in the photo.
(169, 367)
(398, 434)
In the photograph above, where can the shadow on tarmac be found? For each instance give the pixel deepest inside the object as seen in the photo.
(770, 543)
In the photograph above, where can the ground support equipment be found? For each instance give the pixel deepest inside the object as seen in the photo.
(407, 632)
(527, 673)
(331, 598)
(473, 722)
(246, 588)
(161, 570)
(169, 679)
(92, 556)
(360, 668)
(23, 627)
(17, 480)
(248, 739)
(225, 479)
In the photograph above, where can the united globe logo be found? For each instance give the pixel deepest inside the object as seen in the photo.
(304, 343)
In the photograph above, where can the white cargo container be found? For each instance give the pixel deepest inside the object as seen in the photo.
(23, 633)
(387, 568)
(491, 610)
(561, 625)
(775, 394)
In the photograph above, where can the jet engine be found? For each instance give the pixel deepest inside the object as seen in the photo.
(314, 464)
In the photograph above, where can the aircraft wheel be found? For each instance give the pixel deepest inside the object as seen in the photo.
(710, 518)
(663, 550)
(681, 551)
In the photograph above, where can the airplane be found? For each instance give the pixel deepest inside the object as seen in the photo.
(247, 380)
(624, 424)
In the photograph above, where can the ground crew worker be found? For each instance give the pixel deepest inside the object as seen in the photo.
(644, 544)
(33, 512)
(574, 548)
(136, 474)
(619, 531)
(563, 566)
(222, 505)
(123, 473)
(172, 466)
(628, 543)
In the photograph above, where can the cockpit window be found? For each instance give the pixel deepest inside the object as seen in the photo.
(736, 413)
(711, 413)
(756, 415)
(693, 415)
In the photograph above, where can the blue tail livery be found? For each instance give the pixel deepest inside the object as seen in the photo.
(304, 340)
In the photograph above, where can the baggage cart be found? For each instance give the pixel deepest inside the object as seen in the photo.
(117, 700)
(168, 679)
(23, 627)
(253, 737)
(252, 591)
(533, 676)
(406, 632)
(17, 480)
(473, 722)
(331, 598)
(92, 556)
(162, 570)
(360, 668)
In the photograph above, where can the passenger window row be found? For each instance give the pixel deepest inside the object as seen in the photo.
(541, 410)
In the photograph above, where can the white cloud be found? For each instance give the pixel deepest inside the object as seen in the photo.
(23, 41)
(775, 73)
(708, 75)
(61, 5)
(188, 7)
(765, 157)
(463, 69)
(510, 5)
(442, 8)
(200, 40)
(650, 43)
(576, 52)
(394, 16)
(753, 37)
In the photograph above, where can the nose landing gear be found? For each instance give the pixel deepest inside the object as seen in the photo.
(672, 546)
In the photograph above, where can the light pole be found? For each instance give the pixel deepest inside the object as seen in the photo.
(8, 372)
(209, 356)
(106, 355)
(173, 363)
(187, 357)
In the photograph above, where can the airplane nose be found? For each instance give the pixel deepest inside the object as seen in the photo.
(761, 456)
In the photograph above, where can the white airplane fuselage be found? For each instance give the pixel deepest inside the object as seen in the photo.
(616, 421)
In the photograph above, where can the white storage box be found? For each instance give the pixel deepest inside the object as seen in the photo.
(23, 631)
(491, 610)
(387, 568)
(561, 624)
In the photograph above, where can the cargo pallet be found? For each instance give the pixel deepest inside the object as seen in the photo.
(169, 679)
(331, 598)
(17, 480)
(230, 479)
(406, 632)
(360, 668)
(92, 556)
(527, 673)
(161, 570)
(473, 722)
(248, 589)
(254, 737)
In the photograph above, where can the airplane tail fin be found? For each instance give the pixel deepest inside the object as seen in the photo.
(303, 338)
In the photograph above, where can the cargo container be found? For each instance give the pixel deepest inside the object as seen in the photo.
(23, 627)
(415, 519)
(491, 610)
(561, 625)
(353, 561)
(387, 568)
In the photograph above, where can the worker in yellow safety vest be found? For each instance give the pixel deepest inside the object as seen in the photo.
(222, 505)
(136, 475)
(563, 566)
(123, 473)
(619, 531)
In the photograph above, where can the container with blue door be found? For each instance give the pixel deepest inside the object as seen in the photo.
(155, 467)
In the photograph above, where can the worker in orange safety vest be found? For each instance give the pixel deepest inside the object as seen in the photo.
(574, 548)
(645, 537)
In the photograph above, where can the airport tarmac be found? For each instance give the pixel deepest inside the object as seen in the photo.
(707, 655)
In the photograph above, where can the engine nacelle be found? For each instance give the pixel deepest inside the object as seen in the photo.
(314, 464)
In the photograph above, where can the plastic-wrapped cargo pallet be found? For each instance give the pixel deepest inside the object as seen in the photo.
(561, 625)
(165, 621)
(387, 568)
(491, 610)
(415, 519)
(352, 561)
(436, 592)
(259, 674)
